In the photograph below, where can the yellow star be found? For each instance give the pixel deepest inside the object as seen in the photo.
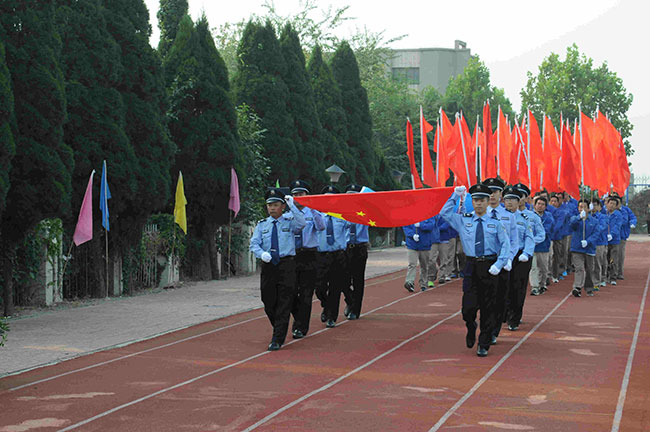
(336, 215)
(372, 223)
(361, 213)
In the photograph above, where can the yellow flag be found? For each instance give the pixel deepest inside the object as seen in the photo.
(180, 217)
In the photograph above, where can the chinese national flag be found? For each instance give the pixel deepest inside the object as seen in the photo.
(411, 155)
(381, 209)
(428, 174)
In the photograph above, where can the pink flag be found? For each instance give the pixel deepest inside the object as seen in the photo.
(84, 230)
(233, 204)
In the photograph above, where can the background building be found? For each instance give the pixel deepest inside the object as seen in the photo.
(423, 67)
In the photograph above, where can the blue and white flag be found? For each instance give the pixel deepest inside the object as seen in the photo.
(104, 196)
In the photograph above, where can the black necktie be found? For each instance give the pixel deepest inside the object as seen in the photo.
(479, 240)
(330, 231)
(275, 248)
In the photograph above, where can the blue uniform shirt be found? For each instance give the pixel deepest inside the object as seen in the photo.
(314, 223)
(601, 240)
(494, 233)
(509, 222)
(340, 227)
(539, 234)
(614, 226)
(359, 236)
(547, 222)
(525, 233)
(287, 224)
(425, 233)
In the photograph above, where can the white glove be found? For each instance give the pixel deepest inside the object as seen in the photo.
(289, 200)
(583, 214)
(416, 237)
(508, 266)
(632, 226)
(583, 243)
(523, 257)
(460, 190)
(417, 224)
(591, 206)
(609, 237)
(494, 270)
(266, 257)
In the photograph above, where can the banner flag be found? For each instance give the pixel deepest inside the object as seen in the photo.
(83, 232)
(104, 196)
(180, 216)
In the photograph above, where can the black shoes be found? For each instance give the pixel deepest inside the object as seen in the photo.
(576, 292)
(494, 340)
(274, 346)
(409, 286)
(470, 338)
(481, 352)
(298, 334)
(323, 318)
(352, 316)
(346, 312)
(513, 327)
(330, 324)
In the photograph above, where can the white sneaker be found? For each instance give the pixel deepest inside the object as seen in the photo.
(555, 280)
(602, 284)
(447, 279)
(612, 283)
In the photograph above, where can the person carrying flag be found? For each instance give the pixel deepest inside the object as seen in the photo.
(584, 234)
(356, 255)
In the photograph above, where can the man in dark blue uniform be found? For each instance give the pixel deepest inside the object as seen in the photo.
(486, 245)
(357, 255)
(273, 242)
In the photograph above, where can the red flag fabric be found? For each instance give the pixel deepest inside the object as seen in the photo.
(478, 142)
(417, 184)
(552, 155)
(623, 167)
(586, 151)
(381, 209)
(460, 156)
(443, 153)
(490, 145)
(83, 232)
(428, 173)
(233, 203)
(504, 149)
(569, 166)
(535, 153)
(520, 152)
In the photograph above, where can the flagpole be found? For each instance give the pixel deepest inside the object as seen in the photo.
(462, 143)
(438, 153)
(421, 143)
(65, 264)
(582, 157)
(559, 163)
(476, 150)
(530, 180)
(541, 175)
(229, 238)
(106, 231)
(499, 142)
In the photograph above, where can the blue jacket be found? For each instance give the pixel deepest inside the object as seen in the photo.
(602, 229)
(548, 222)
(584, 229)
(629, 220)
(614, 221)
(571, 209)
(424, 231)
(560, 219)
(446, 231)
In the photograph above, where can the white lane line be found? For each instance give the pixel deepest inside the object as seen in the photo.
(342, 377)
(485, 377)
(213, 372)
(630, 358)
(155, 348)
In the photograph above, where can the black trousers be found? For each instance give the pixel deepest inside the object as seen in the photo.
(518, 289)
(278, 288)
(479, 292)
(332, 276)
(356, 256)
(305, 284)
(501, 300)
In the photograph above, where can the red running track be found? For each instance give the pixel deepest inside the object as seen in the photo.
(575, 364)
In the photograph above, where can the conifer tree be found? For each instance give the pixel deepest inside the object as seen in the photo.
(7, 126)
(40, 170)
(170, 14)
(301, 107)
(355, 103)
(203, 124)
(329, 107)
(259, 84)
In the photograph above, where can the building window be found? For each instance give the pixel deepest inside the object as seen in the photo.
(410, 74)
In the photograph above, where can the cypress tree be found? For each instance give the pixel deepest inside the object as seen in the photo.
(96, 127)
(203, 124)
(307, 131)
(359, 122)
(329, 106)
(259, 84)
(7, 126)
(142, 88)
(40, 171)
(170, 14)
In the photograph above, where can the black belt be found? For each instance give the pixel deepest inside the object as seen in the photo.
(334, 252)
(355, 245)
(482, 258)
(304, 249)
(287, 258)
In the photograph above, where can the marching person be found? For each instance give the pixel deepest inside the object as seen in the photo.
(447, 247)
(600, 260)
(614, 222)
(557, 237)
(486, 245)
(357, 256)
(516, 202)
(273, 242)
(540, 265)
(435, 252)
(332, 273)
(418, 246)
(508, 219)
(584, 232)
(306, 241)
(628, 223)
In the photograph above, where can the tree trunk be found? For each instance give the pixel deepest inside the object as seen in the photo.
(7, 277)
(212, 252)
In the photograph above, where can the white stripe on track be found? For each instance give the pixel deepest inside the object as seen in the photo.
(157, 347)
(213, 372)
(628, 369)
(342, 377)
(485, 377)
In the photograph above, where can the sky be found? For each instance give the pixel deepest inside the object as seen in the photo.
(512, 37)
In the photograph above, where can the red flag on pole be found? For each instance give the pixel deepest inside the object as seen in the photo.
(535, 153)
(233, 203)
(415, 178)
(490, 146)
(84, 229)
(443, 152)
(428, 174)
(552, 155)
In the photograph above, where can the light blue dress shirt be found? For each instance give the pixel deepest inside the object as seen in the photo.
(525, 233)
(340, 232)
(509, 222)
(287, 224)
(539, 233)
(313, 223)
(494, 233)
(361, 234)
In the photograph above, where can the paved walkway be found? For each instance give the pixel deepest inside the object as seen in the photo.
(57, 334)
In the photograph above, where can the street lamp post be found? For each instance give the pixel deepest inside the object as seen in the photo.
(335, 172)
